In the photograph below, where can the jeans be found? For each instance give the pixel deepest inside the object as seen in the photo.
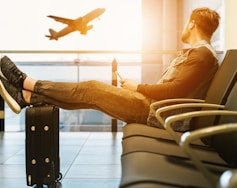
(122, 104)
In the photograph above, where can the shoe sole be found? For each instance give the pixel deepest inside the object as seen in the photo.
(1, 74)
(15, 107)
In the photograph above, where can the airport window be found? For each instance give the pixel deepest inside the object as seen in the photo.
(25, 25)
(121, 26)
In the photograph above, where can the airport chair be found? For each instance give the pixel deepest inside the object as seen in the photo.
(217, 93)
(223, 139)
(146, 169)
(155, 167)
(168, 164)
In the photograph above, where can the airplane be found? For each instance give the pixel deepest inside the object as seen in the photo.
(79, 24)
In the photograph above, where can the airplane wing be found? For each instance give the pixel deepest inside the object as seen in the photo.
(62, 20)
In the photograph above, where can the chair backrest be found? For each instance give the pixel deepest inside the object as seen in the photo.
(226, 144)
(220, 86)
(219, 89)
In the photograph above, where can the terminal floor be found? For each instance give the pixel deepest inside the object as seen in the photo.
(87, 159)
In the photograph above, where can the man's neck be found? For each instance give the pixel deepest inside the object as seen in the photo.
(194, 40)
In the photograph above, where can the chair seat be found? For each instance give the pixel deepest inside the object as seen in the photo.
(145, 167)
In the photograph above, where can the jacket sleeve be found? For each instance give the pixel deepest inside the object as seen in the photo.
(189, 74)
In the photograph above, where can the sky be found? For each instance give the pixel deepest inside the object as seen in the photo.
(24, 25)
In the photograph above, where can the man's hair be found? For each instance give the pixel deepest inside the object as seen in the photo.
(207, 20)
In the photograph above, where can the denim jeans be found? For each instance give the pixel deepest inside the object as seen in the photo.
(122, 104)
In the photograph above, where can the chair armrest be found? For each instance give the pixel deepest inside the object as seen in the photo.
(161, 110)
(157, 104)
(178, 117)
(228, 179)
(188, 137)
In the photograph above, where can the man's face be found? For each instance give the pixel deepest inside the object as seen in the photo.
(186, 32)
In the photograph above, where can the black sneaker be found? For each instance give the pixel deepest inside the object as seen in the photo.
(10, 72)
(12, 95)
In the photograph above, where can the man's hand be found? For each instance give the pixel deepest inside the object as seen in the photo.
(129, 84)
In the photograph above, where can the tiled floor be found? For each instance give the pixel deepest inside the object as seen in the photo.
(88, 159)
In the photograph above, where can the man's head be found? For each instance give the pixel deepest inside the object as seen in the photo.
(205, 22)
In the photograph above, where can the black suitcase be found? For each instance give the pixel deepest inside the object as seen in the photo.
(42, 146)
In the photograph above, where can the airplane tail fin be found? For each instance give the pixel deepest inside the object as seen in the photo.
(53, 35)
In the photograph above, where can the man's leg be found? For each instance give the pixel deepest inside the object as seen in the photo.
(122, 104)
(119, 103)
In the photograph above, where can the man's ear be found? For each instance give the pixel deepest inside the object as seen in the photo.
(191, 24)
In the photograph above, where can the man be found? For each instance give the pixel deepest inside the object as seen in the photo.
(188, 75)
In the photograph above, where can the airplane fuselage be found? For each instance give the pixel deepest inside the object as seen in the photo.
(79, 24)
